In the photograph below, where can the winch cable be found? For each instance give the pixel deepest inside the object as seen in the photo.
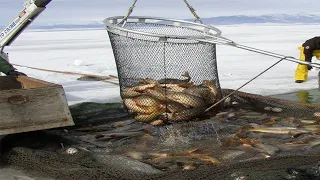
(193, 11)
(128, 13)
(130, 10)
(224, 98)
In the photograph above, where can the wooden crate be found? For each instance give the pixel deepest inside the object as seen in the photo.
(28, 104)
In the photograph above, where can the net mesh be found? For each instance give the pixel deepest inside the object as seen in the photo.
(152, 72)
(249, 137)
(229, 145)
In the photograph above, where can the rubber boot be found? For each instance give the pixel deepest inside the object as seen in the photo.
(301, 74)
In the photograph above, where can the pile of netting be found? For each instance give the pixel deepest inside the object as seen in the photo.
(254, 137)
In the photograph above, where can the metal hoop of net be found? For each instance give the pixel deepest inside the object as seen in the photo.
(162, 66)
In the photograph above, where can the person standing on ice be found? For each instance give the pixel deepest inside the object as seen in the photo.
(308, 49)
(8, 69)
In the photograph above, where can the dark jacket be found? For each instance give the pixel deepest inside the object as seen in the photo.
(5, 66)
(309, 46)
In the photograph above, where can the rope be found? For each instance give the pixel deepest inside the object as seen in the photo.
(193, 11)
(223, 99)
(129, 12)
(75, 73)
(66, 72)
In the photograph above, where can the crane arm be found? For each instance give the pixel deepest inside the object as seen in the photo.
(32, 9)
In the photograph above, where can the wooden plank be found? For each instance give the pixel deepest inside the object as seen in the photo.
(28, 82)
(23, 110)
(22, 82)
(35, 127)
(7, 82)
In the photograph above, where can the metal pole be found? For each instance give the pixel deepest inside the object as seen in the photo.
(224, 41)
(221, 100)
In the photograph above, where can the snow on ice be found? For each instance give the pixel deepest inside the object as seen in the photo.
(89, 51)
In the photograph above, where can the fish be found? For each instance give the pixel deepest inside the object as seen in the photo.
(279, 130)
(270, 122)
(306, 121)
(158, 122)
(186, 114)
(175, 81)
(175, 107)
(145, 100)
(231, 154)
(211, 160)
(173, 87)
(129, 94)
(148, 117)
(141, 88)
(267, 148)
(213, 89)
(147, 81)
(132, 106)
(187, 84)
(197, 91)
(186, 99)
(158, 93)
(312, 127)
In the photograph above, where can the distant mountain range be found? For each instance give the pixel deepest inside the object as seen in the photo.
(277, 18)
(220, 20)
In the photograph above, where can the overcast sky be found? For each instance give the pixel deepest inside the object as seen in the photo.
(81, 11)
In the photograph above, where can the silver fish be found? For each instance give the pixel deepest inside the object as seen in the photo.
(279, 130)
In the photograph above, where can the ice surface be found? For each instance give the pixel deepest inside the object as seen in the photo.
(89, 51)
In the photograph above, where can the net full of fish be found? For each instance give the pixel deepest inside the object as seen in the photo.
(169, 100)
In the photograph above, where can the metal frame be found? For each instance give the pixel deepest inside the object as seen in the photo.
(207, 36)
(206, 31)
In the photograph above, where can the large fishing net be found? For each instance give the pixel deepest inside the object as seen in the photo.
(161, 72)
(162, 130)
(245, 140)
